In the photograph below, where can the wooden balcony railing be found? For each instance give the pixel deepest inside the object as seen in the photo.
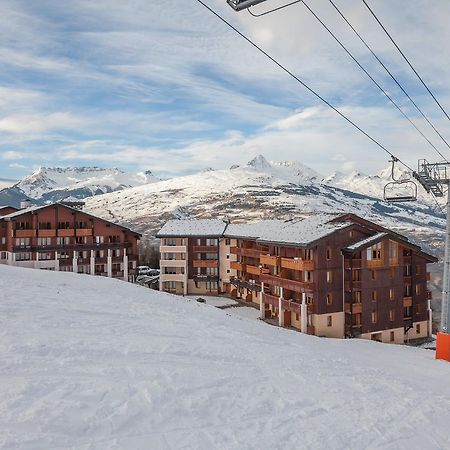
(290, 306)
(291, 285)
(356, 263)
(205, 263)
(25, 233)
(270, 300)
(249, 252)
(236, 265)
(269, 260)
(356, 308)
(66, 232)
(297, 264)
(46, 233)
(253, 270)
(375, 263)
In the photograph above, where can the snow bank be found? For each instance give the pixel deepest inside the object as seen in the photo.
(92, 363)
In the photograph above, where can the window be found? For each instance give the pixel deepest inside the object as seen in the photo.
(329, 321)
(351, 233)
(356, 319)
(227, 241)
(170, 242)
(392, 336)
(308, 254)
(418, 308)
(356, 275)
(328, 253)
(228, 270)
(407, 290)
(210, 256)
(391, 294)
(418, 270)
(171, 285)
(23, 256)
(418, 289)
(64, 240)
(44, 256)
(418, 328)
(211, 285)
(22, 242)
(374, 252)
(374, 317)
(307, 276)
(407, 311)
(373, 274)
(199, 242)
(44, 242)
(297, 317)
(393, 246)
(391, 315)
(356, 296)
(407, 270)
(374, 296)
(329, 276)
(228, 256)
(99, 239)
(329, 299)
(210, 242)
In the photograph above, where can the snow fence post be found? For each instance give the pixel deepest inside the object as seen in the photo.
(304, 314)
(280, 309)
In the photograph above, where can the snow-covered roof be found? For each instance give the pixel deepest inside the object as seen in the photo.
(24, 211)
(193, 227)
(367, 241)
(305, 231)
(253, 230)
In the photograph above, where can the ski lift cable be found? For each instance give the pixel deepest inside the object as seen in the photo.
(406, 59)
(295, 77)
(371, 78)
(390, 74)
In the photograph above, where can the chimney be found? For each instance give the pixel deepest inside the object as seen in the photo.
(24, 204)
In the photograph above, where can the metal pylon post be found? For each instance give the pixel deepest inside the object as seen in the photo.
(445, 315)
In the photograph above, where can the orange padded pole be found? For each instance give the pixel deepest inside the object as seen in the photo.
(443, 346)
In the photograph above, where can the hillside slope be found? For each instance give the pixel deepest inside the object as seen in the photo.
(94, 363)
(258, 190)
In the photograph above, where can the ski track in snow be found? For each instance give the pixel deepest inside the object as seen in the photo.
(92, 363)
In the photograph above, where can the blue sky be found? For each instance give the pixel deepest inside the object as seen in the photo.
(165, 86)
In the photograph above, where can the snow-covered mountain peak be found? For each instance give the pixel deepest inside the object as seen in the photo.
(259, 162)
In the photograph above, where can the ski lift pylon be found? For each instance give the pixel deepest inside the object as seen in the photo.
(398, 191)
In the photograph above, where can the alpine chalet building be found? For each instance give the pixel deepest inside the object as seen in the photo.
(58, 237)
(327, 275)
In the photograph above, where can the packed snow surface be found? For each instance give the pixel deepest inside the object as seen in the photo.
(94, 363)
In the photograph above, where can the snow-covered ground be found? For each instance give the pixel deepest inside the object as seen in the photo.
(214, 301)
(94, 363)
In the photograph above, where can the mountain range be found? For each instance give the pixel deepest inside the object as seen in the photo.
(71, 183)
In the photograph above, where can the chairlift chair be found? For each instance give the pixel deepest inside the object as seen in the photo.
(239, 5)
(406, 188)
(406, 191)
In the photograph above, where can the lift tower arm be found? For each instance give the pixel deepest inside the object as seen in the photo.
(239, 5)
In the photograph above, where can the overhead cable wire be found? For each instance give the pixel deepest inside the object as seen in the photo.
(371, 78)
(406, 59)
(295, 77)
(390, 74)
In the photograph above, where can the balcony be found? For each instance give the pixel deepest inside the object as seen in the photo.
(407, 302)
(46, 233)
(269, 260)
(172, 277)
(297, 264)
(356, 308)
(25, 233)
(245, 284)
(205, 249)
(270, 300)
(291, 306)
(171, 262)
(253, 270)
(83, 232)
(290, 285)
(350, 286)
(66, 232)
(173, 249)
(235, 265)
(373, 263)
(205, 263)
(249, 252)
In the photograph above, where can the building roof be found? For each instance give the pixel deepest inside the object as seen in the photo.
(192, 227)
(367, 242)
(304, 232)
(252, 230)
(33, 209)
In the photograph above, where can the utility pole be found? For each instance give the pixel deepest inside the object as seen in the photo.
(434, 177)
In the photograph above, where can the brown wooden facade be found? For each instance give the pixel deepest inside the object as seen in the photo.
(57, 237)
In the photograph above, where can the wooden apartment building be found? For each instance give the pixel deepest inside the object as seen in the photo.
(327, 275)
(57, 237)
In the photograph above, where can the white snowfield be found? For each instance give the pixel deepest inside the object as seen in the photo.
(94, 363)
